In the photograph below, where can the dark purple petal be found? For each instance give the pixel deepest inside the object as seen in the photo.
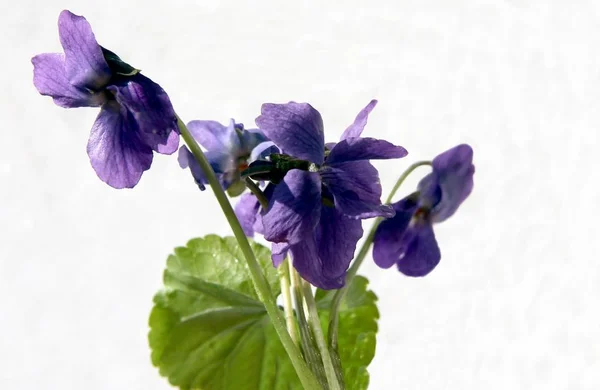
(336, 238)
(453, 173)
(279, 252)
(152, 109)
(246, 211)
(306, 260)
(356, 129)
(354, 149)
(84, 62)
(419, 253)
(356, 189)
(214, 136)
(387, 242)
(296, 128)
(117, 154)
(186, 160)
(294, 207)
(50, 79)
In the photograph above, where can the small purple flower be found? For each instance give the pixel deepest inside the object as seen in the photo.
(229, 150)
(316, 213)
(407, 239)
(136, 116)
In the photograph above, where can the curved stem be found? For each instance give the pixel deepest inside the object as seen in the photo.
(262, 199)
(260, 281)
(339, 294)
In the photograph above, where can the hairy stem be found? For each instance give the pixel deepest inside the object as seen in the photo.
(260, 281)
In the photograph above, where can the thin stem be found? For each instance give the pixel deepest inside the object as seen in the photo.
(262, 199)
(284, 280)
(315, 325)
(260, 281)
(339, 295)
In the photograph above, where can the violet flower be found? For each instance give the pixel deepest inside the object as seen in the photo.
(136, 116)
(407, 239)
(229, 150)
(316, 213)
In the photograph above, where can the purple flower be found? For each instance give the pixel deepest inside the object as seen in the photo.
(136, 116)
(316, 213)
(229, 150)
(407, 239)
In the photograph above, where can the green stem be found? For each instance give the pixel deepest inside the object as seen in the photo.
(260, 281)
(262, 199)
(339, 294)
(315, 324)
(284, 280)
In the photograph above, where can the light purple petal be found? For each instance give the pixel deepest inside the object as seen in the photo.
(294, 207)
(50, 79)
(214, 136)
(246, 211)
(356, 189)
(279, 252)
(453, 173)
(186, 160)
(356, 129)
(85, 64)
(249, 140)
(354, 149)
(297, 128)
(263, 150)
(117, 154)
(419, 253)
(336, 238)
(152, 109)
(387, 242)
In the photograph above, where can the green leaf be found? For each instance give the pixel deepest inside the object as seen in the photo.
(357, 330)
(209, 331)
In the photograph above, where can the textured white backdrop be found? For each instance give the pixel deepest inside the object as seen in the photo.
(512, 305)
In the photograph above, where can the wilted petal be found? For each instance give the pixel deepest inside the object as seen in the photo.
(419, 253)
(246, 211)
(336, 238)
(186, 160)
(387, 242)
(50, 79)
(354, 149)
(356, 189)
(294, 207)
(152, 109)
(85, 63)
(117, 154)
(356, 129)
(453, 173)
(297, 128)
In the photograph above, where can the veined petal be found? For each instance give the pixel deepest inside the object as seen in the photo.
(453, 173)
(387, 242)
(186, 160)
(336, 238)
(306, 260)
(50, 79)
(419, 253)
(85, 63)
(117, 154)
(152, 110)
(356, 189)
(354, 149)
(356, 128)
(294, 207)
(297, 128)
(246, 211)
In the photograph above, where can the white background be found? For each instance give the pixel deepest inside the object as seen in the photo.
(512, 304)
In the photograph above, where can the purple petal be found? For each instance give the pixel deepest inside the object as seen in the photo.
(117, 154)
(387, 242)
(356, 189)
(246, 211)
(356, 129)
(250, 139)
(50, 79)
(263, 150)
(453, 173)
(296, 128)
(186, 160)
(419, 253)
(214, 136)
(306, 260)
(85, 63)
(336, 237)
(152, 109)
(294, 208)
(353, 149)
(279, 252)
